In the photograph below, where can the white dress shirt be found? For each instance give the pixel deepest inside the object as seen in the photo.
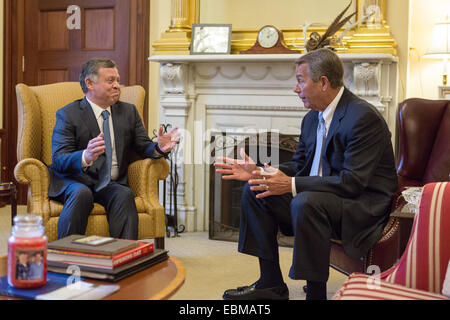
(98, 115)
(327, 116)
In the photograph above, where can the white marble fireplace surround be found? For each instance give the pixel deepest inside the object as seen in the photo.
(248, 92)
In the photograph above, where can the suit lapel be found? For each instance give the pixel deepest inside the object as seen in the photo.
(312, 141)
(339, 113)
(335, 125)
(118, 131)
(91, 122)
(94, 130)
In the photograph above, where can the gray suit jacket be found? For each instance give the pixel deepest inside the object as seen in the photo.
(358, 165)
(76, 125)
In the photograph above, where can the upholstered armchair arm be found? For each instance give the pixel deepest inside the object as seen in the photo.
(35, 174)
(143, 177)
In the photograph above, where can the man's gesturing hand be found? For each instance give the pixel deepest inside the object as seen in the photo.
(168, 141)
(233, 169)
(94, 148)
(272, 182)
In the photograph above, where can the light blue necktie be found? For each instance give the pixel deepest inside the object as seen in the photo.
(105, 170)
(320, 141)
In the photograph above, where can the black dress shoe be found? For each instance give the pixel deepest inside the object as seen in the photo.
(252, 293)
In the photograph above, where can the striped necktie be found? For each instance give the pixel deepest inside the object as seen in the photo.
(105, 170)
(320, 141)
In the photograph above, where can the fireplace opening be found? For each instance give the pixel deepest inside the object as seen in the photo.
(225, 195)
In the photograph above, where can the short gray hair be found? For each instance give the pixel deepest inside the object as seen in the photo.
(324, 62)
(90, 70)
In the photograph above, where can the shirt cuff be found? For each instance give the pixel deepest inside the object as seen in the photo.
(294, 189)
(159, 153)
(84, 164)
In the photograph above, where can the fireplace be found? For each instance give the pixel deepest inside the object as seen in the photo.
(225, 195)
(202, 93)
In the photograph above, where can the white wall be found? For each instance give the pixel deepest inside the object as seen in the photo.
(253, 14)
(424, 75)
(159, 22)
(399, 25)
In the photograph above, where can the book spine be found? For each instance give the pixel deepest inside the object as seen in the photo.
(100, 261)
(78, 254)
(119, 260)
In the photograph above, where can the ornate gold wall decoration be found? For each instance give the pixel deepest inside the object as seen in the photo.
(177, 38)
(371, 36)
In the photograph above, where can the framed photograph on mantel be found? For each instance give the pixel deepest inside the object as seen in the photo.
(211, 39)
(444, 92)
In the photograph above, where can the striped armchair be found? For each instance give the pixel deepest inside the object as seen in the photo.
(420, 272)
(37, 108)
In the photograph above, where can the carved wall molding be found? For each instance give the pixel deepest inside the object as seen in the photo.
(174, 78)
(234, 72)
(255, 108)
(366, 76)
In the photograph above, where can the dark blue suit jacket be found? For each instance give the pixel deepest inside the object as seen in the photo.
(358, 165)
(76, 125)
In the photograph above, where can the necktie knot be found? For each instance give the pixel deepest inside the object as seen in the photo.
(105, 114)
(321, 119)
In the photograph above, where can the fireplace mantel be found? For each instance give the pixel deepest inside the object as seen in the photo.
(263, 57)
(248, 92)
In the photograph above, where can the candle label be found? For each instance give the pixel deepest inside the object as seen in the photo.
(27, 265)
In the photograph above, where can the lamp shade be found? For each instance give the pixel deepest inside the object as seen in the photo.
(440, 41)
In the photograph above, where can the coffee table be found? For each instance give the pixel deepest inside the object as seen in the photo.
(158, 282)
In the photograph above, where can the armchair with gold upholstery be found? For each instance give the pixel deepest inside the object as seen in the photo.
(37, 108)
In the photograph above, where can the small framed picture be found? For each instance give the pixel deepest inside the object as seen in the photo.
(444, 92)
(211, 39)
(94, 240)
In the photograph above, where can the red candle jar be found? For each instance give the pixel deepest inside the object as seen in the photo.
(27, 252)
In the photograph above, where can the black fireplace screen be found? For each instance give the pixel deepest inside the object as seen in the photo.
(225, 195)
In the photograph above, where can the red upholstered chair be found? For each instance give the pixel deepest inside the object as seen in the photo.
(420, 272)
(423, 156)
(424, 141)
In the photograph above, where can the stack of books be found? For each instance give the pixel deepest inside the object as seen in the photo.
(101, 257)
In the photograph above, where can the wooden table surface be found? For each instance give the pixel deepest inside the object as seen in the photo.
(158, 282)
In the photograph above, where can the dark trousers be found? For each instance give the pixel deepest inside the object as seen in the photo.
(313, 218)
(119, 203)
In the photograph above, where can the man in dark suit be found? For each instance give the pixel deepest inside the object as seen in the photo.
(338, 185)
(92, 144)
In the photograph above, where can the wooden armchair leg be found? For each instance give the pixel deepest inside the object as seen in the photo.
(159, 243)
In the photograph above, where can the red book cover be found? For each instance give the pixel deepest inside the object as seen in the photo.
(98, 260)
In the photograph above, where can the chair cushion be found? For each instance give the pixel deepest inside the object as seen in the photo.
(56, 207)
(424, 262)
(365, 287)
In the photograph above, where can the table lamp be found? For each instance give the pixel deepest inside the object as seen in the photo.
(440, 45)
